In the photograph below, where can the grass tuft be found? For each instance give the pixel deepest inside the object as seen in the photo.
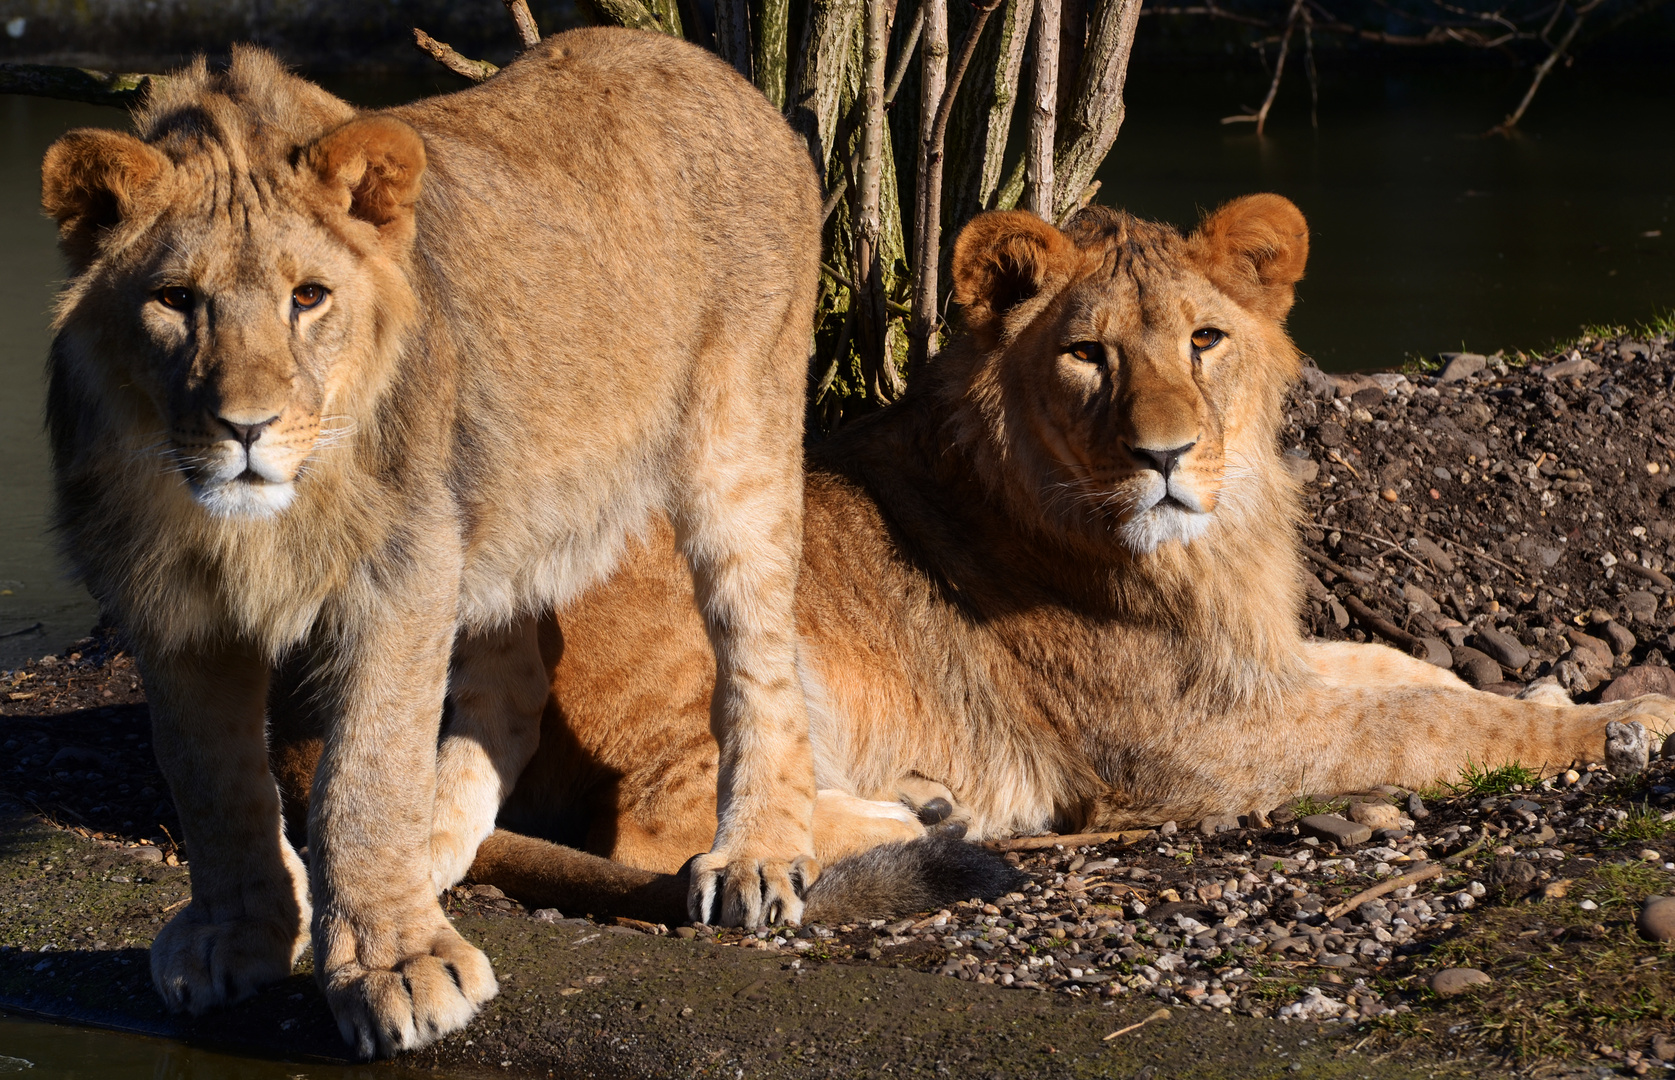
(1477, 779)
(1642, 824)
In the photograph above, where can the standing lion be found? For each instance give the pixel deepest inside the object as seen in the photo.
(376, 388)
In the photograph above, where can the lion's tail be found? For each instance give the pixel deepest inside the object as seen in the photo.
(889, 880)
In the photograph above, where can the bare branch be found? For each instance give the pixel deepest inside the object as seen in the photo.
(1260, 116)
(1043, 119)
(629, 13)
(475, 70)
(122, 90)
(528, 32)
(1505, 126)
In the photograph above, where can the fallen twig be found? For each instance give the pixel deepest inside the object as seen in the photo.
(1035, 843)
(1384, 628)
(1412, 877)
(448, 57)
(1161, 1014)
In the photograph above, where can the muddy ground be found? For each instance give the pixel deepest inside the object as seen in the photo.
(1511, 519)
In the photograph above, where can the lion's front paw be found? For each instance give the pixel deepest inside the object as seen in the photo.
(749, 891)
(415, 1000)
(200, 963)
(451, 852)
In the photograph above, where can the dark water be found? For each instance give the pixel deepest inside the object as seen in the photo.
(31, 1050)
(1425, 236)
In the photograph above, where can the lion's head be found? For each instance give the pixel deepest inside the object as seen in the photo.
(1121, 377)
(237, 279)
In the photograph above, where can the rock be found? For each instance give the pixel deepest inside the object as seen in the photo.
(1367, 397)
(1650, 855)
(487, 892)
(1427, 549)
(1318, 383)
(1303, 469)
(1419, 600)
(1663, 1047)
(1329, 434)
(1451, 981)
(1334, 829)
(1575, 364)
(1589, 643)
(1340, 617)
(1416, 808)
(71, 758)
(1634, 350)
(1457, 367)
(1642, 607)
(1375, 815)
(1638, 680)
(1627, 748)
(1622, 642)
(1503, 647)
(1437, 652)
(1669, 748)
(1218, 823)
(1477, 668)
(1657, 918)
(145, 853)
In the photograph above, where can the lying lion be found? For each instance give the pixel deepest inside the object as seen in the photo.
(367, 390)
(1056, 586)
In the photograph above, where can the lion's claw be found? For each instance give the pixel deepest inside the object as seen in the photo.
(415, 1001)
(198, 964)
(749, 892)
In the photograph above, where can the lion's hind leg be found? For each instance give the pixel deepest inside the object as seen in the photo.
(845, 824)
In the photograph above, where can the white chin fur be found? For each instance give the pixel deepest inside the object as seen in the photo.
(1146, 531)
(245, 499)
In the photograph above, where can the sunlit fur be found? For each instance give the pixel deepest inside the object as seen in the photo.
(552, 309)
(987, 608)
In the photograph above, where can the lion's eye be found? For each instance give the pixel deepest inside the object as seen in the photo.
(1207, 337)
(175, 296)
(308, 296)
(1089, 352)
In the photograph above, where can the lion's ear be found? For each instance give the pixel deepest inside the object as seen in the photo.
(372, 167)
(1254, 249)
(91, 181)
(1002, 259)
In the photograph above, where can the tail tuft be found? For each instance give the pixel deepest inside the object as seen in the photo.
(894, 879)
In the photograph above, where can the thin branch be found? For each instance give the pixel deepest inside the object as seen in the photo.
(1260, 116)
(1546, 66)
(841, 184)
(1043, 119)
(1090, 128)
(475, 70)
(843, 279)
(869, 225)
(123, 90)
(528, 32)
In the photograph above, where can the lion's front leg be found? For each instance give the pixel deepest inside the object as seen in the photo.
(396, 974)
(498, 689)
(247, 921)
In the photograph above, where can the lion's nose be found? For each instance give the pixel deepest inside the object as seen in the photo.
(247, 433)
(1164, 461)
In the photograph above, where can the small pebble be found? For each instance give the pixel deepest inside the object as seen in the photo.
(1451, 981)
(1657, 918)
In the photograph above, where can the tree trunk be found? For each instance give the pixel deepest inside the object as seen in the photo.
(1091, 127)
(1043, 119)
(732, 33)
(667, 14)
(927, 207)
(980, 148)
(869, 269)
(771, 27)
(817, 100)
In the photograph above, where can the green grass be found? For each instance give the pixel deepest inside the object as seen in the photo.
(1308, 805)
(1625, 884)
(1642, 824)
(1478, 779)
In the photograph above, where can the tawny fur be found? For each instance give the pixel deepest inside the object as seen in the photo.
(983, 610)
(364, 391)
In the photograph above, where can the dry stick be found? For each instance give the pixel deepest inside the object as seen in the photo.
(475, 70)
(1384, 628)
(1393, 546)
(1412, 877)
(1485, 556)
(1160, 1014)
(1043, 119)
(843, 279)
(927, 255)
(1035, 843)
(1261, 115)
(528, 32)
